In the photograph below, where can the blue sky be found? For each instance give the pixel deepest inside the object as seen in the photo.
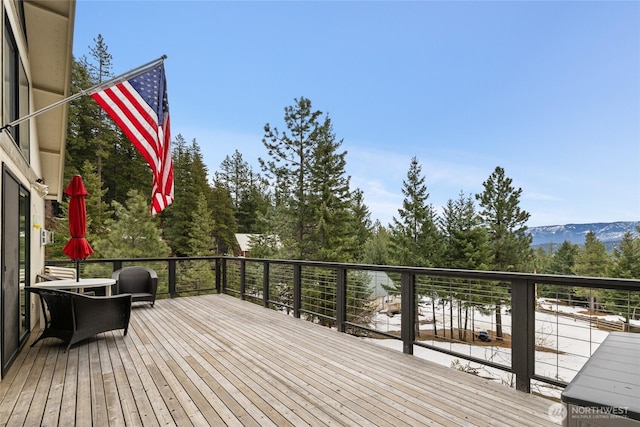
(550, 91)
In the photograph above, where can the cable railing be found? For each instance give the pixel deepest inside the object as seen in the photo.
(530, 331)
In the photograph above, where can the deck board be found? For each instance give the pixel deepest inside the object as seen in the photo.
(216, 360)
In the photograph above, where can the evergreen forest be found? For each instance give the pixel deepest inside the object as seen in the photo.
(300, 204)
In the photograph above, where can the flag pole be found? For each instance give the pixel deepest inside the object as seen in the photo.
(120, 78)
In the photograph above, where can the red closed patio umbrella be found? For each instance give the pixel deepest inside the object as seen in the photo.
(77, 248)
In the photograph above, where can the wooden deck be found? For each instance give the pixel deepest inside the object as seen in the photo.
(216, 360)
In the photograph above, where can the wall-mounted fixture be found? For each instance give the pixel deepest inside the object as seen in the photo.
(41, 187)
(46, 237)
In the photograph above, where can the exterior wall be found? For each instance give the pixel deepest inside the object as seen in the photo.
(42, 20)
(25, 172)
(36, 208)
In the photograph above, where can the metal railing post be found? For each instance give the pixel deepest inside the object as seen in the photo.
(341, 298)
(243, 278)
(223, 287)
(523, 307)
(297, 290)
(172, 278)
(218, 285)
(265, 284)
(407, 310)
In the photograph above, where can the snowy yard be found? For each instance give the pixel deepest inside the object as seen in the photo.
(568, 342)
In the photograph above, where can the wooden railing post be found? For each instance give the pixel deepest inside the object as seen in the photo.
(297, 290)
(407, 310)
(523, 319)
(341, 298)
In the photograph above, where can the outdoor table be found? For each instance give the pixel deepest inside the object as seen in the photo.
(81, 284)
(606, 391)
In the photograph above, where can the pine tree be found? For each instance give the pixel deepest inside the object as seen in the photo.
(97, 212)
(100, 52)
(506, 222)
(84, 119)
(561, 262)
(101, 72)
(175, 219)
(233, 175)
(202, 231)
(276, 226)
(248, 191)
(124, 169)
(311, 189)
(329, 199)
(508, 238)
(190, 180)
(563, 259)
(415, 239)
(290, 170)
(626, 264)
(541, 258)
(255, 204)
(360, 227)
(221, 207)
(466, 247)
(133, 232)
(466, 240)
(196, 275)
(626, 257)
(591, 260)
(377, 249)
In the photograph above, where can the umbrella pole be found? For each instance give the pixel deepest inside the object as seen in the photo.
(77, 270)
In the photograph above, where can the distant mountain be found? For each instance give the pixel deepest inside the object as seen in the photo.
(609, 233)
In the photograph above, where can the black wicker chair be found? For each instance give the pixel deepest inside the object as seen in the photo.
(74, 317)
(140, 282)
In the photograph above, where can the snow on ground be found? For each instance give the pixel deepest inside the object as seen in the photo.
(569, 341)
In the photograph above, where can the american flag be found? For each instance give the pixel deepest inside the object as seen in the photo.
(140, 107)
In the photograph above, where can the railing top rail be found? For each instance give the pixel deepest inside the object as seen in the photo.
(565, 280)
(585, 281)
